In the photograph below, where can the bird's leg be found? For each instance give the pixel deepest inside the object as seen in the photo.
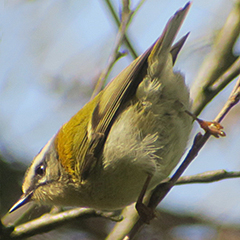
(145, 213)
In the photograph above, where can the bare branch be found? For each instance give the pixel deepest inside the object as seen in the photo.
(218, 64)
(51, 221)
(115, 54)
(48, 222)
(208, 177)
(231, 102)
(126, 16)
(118, 23)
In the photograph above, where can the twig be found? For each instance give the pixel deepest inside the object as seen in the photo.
(231, 102)
(126, 17)
(50, 221)
(118, 23)
(208, 177)
(115, 54)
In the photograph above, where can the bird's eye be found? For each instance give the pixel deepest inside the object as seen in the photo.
(40, 170)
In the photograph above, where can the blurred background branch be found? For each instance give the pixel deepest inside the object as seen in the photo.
(126, 16)
(220, 65)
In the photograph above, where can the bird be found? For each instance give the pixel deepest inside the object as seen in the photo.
(124, 141)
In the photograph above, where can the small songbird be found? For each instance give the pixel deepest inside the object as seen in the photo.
(122, 143)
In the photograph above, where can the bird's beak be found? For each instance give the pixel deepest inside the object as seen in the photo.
(25, 198)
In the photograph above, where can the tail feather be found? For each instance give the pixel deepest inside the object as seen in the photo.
(177, 47)
(165, 41)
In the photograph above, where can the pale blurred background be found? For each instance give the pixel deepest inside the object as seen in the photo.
(51, 54)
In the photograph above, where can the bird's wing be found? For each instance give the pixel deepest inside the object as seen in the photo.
(124, 86)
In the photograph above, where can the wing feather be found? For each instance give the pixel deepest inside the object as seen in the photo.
(124, 86)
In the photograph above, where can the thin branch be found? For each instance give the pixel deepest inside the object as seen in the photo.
(208, 177)
(51, 221)
(118, 23)
(126, 17)
(48, 222)
(231, 102)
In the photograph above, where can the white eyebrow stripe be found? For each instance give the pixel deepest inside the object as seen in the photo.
(40, 156)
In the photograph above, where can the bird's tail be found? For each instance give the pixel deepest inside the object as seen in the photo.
(164, 43)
